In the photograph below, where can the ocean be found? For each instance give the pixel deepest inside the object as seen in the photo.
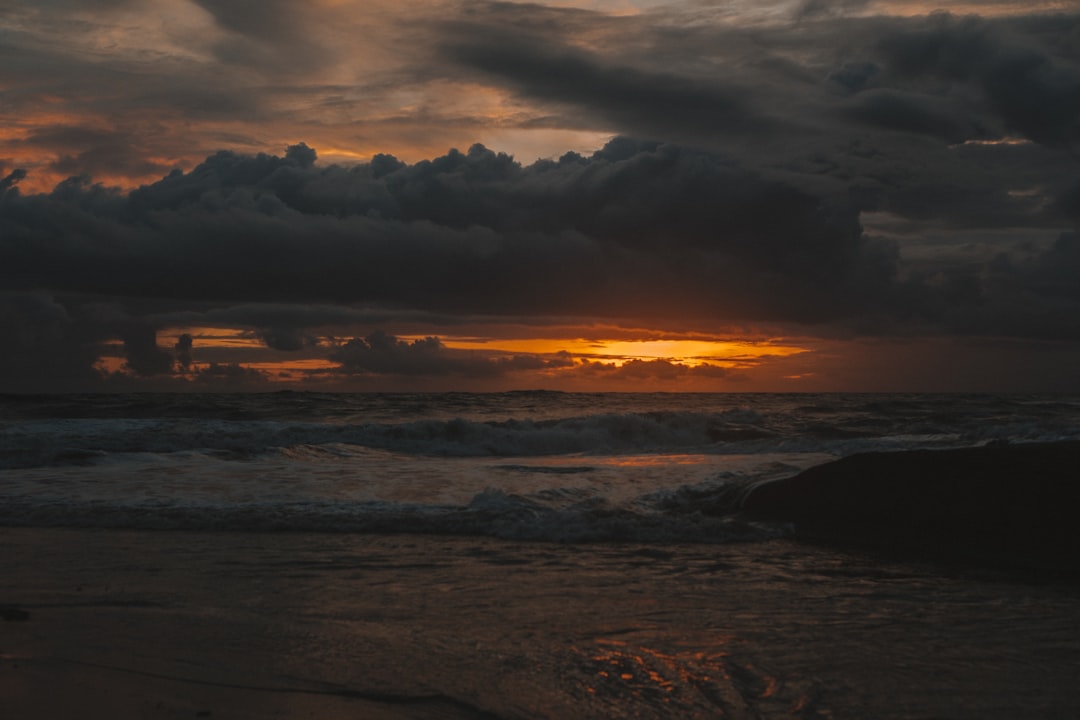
(512, 555)
(520, 465)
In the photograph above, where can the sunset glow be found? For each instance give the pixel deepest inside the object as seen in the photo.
(211, 337)
(555, 362)
(724, 352)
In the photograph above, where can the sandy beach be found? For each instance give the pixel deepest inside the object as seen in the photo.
(122, 624)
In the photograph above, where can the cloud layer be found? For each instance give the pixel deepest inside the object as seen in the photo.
(823, 169)
(637, 229)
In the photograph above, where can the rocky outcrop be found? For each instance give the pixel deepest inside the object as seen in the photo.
(1006, 505)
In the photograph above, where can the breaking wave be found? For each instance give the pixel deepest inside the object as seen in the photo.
(493, 513)
(73, 441)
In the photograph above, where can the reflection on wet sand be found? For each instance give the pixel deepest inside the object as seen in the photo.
(403, 626)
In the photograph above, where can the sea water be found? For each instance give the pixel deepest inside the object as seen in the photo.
(523, 465)
(515, 555)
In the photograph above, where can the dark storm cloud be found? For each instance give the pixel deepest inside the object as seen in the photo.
(1033, 93)
(875, 108)
(93, 151)
(43, 346)
(779, 96)
(853, 77)
(288, 339)
(911, 112)
(183, 351)
(111, 90)
(11, 180)
(649, 103)
(230, 376)
(49, 345)
(383, 354)
(144, 357)
(811, 9)
(654, 370)
(715, 84)
(934, 186)
(1068, 202)
(1056, 272)
(293, 318)
(638, 228)
(269, 20)
(1034, 298)
(267, 34)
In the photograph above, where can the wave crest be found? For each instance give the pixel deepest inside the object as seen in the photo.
(80, 441)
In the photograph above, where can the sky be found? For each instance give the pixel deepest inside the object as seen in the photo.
(678, 195)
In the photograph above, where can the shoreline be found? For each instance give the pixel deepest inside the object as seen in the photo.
(168, 624)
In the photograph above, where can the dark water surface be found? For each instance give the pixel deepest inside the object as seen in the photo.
(516, 555)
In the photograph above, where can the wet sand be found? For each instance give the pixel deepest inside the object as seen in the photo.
(126, 624)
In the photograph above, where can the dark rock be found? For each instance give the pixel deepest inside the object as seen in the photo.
(12, 614)
(1006, 505)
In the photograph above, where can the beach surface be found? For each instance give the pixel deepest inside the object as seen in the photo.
(136, 624)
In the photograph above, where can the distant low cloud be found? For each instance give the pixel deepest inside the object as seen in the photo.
(230, 376)
(42, 346)
(383, 354)
(655, 370)
(183, 351)
(286, 338)
(144, 357)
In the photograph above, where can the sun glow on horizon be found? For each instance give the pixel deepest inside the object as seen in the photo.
(723, 352)
(212, 337)
(491, 357)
